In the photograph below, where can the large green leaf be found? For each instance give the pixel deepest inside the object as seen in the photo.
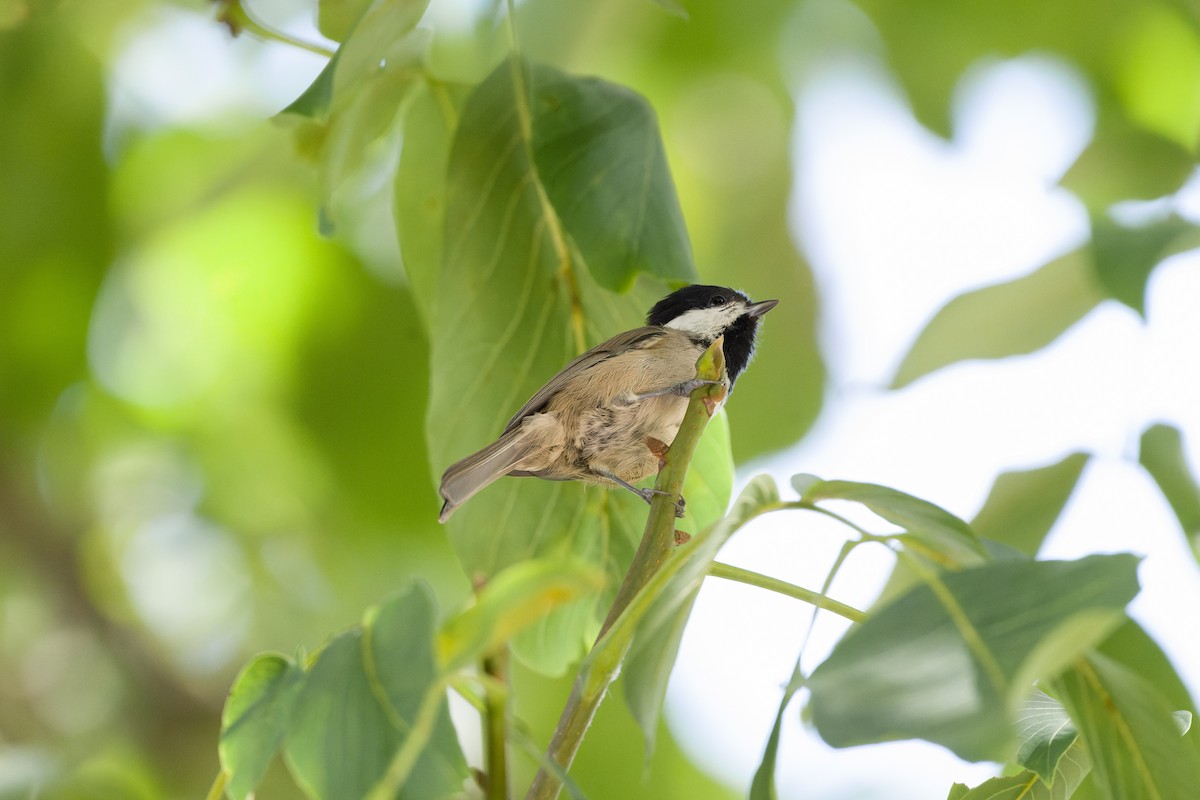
(983, 323)
(419, 202)
(359, 704)
(1023, 506)
(255, 720)
(952, 660)
(513, 303)
(1161, 453)
(1133, 739)
(600, 158)
(934, 527)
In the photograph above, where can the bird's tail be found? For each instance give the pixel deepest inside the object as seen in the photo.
(464, 478)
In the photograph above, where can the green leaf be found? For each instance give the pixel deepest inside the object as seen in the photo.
(336, 18)
(928, 524)
(599, 155)
(398, 652)
(419, 201)
(1124, 257)
(980, 323)
(358, 704)
(1126, 162)
(514, 303)
(1045, 733)
(1023, 506)
(1161, 453)
(1071, 769)
(380, 37)
(952, 660)
(255, 720)
(673, 7)
(314, 101)
(958, 791)
(1129, 730)
(510, 602)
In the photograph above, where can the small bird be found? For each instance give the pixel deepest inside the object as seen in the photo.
(610, 414)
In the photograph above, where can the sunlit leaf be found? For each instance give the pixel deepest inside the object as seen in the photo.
(929, 524)
(1124, 257)
(379, 38)
(1158, 73)
(357, 708)
(945, 662)
(1162, 454)
(512, 600)
(1070, 771)
(514, 303)
(980, 323)
(1023, 506)
(1044, 734)
(255, 720)
(1130, 733)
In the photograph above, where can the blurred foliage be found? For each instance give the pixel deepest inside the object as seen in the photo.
(213, 419)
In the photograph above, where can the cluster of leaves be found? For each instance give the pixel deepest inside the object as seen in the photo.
(523, 203)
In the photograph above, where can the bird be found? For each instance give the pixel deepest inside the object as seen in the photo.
(608, 416)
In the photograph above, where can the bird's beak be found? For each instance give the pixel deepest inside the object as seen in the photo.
(756, 310)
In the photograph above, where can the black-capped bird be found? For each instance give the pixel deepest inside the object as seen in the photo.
(608, 415)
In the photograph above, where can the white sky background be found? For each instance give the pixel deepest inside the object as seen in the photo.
(895, 222)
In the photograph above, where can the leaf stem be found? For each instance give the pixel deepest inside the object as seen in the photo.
(496, 723)
(238, 18)
(218, 785)
(818, 599)
(601, 666)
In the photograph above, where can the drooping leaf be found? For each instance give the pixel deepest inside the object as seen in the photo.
(314, 101)
(945, 662)
(381, 36)
(255, 720)
(599, 155)
(513, 303)
(1124, 257)
(512, 600)
(1044, 733)
(1161, 453)
(932, 526)
(1130, 733)
(1023, 506)
(358, 703)
(979, 324)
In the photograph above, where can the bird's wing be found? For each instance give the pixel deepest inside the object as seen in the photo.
(622, 342)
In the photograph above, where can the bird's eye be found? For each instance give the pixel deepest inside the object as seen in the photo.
(717, 300)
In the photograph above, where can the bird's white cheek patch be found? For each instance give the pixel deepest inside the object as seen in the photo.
(708, 323)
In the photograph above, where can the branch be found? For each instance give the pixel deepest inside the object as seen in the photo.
(657, 545)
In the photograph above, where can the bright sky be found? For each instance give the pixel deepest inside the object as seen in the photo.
(895, 223)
